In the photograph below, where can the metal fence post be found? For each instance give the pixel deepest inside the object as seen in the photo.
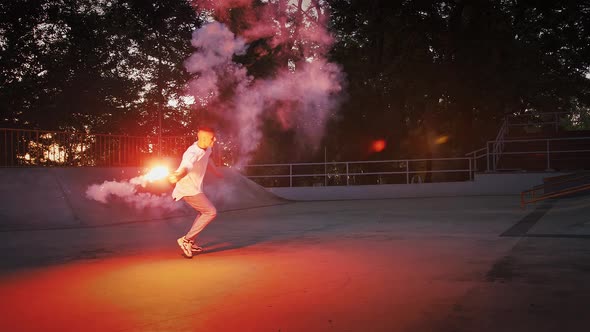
(548, 157)
(407, 172)
(290, 175)
(325, 168)
(347, 176)
(488, 156)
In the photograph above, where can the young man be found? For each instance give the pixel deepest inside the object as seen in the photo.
(189, 186)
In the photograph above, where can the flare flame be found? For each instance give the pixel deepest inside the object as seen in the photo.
(157, 173)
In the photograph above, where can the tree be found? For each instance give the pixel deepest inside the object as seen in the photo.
(100, 66)
(419, 69)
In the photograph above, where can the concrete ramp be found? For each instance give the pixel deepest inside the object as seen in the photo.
(46, 198)
(33, 198)
(234, 191)
(566, 217)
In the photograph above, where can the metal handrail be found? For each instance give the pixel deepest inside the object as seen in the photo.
(348, 174)
(546, 139)
(474, 155)
(474, 152)
(499, 143)
(472, 158)
(547, 151)
(358, 162)
(559, 193)
(544, 151)
(552, 182)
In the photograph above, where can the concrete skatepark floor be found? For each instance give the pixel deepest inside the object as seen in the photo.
(420, 264)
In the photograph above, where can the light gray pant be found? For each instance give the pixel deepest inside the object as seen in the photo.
(207, 213)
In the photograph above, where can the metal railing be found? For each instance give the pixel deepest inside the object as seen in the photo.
(551, 188)
(476, 156)
(536, 150)
(496, 149)
(498, 146)
(361, 172)
(34, 148)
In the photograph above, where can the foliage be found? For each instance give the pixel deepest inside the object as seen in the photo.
(417, 70)
(421, 69)
(97, 66)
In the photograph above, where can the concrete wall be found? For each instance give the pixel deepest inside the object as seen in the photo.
(483, 184)
(33, 198)
(37, 198)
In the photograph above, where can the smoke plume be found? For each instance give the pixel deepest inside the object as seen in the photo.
(301, 94)
(128, 192)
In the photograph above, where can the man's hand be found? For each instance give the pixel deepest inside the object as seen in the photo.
(176, 176)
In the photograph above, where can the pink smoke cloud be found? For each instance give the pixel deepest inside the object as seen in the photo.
(259, 31)
(301, 96)
(216, 46)
(127, 191)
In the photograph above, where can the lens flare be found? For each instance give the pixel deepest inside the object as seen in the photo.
(441, 140)
(378, 145)
(157, 173)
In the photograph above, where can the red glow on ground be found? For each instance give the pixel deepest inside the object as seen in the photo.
(225, 291)
(378, 145)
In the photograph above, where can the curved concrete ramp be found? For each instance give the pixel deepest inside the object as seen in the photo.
(46, 198)
(233, 191)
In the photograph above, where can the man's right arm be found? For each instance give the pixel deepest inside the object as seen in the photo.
(177, 175)
(188, 159)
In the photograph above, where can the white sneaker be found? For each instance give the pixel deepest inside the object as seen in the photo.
(196, 248)
(185, 246)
